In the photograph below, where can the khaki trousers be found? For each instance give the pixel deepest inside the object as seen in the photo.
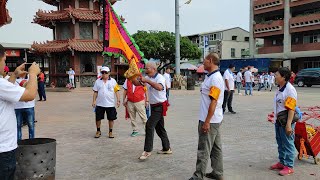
(138, 107)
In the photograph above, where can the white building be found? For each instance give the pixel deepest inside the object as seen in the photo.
(232, 43)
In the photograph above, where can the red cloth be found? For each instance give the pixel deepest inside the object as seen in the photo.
(165, 106)
(127, 114)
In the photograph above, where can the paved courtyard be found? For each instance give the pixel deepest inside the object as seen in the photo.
(249, 145)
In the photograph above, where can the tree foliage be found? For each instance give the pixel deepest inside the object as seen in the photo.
(161, 45)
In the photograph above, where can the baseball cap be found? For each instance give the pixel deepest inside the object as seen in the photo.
(105, 69)
(6, 69)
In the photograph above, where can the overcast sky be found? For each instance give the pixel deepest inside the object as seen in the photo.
(198, 16)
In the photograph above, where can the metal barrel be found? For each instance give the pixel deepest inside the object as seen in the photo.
(36, 159)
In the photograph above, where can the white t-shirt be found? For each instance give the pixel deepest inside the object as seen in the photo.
(125, 85)
(229, 76)
(285, 98)
(71, 74)
(248, 76)
(156, 96)
(261, 79)
(168, 80)
(10, 94)
(267, 78)
(21, 104)
(272, 79)
(213, 86)
(239, 77)
(106, 92)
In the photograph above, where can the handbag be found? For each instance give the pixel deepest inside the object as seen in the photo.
(282, 117)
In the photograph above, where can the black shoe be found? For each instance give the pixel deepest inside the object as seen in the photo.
(212, 176)
(232, 112)
(40, 100)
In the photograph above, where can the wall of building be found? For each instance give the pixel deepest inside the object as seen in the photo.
(226, 49)
(241, 34)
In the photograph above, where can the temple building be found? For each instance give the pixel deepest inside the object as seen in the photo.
(77, 27)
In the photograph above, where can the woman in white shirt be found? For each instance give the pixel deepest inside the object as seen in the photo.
(285, 100)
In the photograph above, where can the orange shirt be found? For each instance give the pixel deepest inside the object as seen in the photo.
(41, 77)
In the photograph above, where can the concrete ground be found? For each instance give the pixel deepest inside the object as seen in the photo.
(249, 145)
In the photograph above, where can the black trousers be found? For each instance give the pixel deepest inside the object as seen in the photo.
(7, 165)
(228, 97)
(156, 121)
(41, 91)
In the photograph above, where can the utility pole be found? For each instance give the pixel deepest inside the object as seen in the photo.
(177, 31)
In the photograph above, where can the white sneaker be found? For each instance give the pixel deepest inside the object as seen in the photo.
(145, 155)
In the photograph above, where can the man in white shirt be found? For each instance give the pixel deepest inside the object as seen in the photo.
(229, 89)
(168, 81)
(9, 95)
(266, 81)
(239, 81)
(248, 77)
(261, 81)
(156, 85)
(104, 90)
(211, 115)
(271, 81)
(25, 111)
(71, 74)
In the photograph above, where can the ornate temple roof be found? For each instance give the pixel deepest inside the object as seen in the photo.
(48, 18)
(4, 13)
(56, 2)
(68, 45)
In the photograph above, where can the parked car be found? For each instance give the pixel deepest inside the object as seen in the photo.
(308, 77)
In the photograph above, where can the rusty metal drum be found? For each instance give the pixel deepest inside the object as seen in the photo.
(36, 159)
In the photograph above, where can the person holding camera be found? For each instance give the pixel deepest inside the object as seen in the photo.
(10, 94)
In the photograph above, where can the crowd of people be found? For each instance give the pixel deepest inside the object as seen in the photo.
(139, 93)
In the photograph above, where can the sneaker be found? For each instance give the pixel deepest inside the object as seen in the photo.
(111, 135)
(165, 152)
(286, 171)
(232, 112)
(134, 134)
(145, 155)
(277, 166)
(98, 134)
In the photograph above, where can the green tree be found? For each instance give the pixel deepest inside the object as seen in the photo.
(161, 45)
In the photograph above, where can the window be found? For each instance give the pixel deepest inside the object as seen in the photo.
(64, 31)
(84, 4)
(314, 38)
(197, 40)
(233, 52)
(211, 37)
(86, 30)
(101, 31)
(234, 38)
(246, 39)
(215, 36)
